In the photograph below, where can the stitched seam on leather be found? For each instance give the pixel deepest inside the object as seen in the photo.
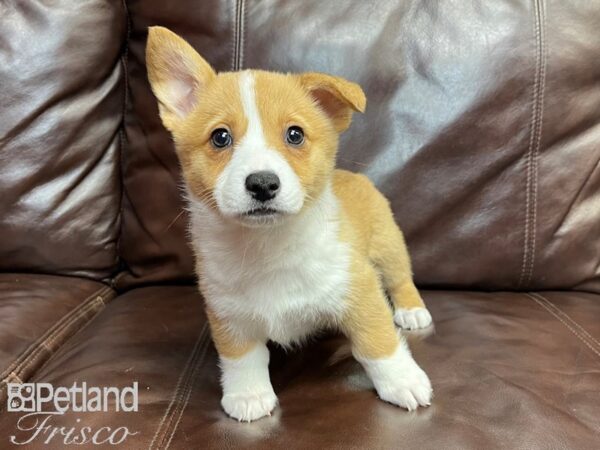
(234, 34)
(238, 27)
(567, 317)
(30, 356)
(527, 169)
(560, 319)
(186, 392)
(51, 338)
(185, 378)
(46, 344)
(238, 35)
(10, 378)
(189, 387)
(124, 64)
(535, 135)
(535, 174)
(53, 329)
(40, 357)
(24, 364)
(14, 378)
(50, 345)
(21, 373)
(242, 34)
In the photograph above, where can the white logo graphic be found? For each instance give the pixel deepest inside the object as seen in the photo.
(21, 397)
(42, 402)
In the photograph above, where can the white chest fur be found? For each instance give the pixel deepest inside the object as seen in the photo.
(280, 283)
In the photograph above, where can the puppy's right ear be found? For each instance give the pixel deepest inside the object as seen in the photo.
(177, 74)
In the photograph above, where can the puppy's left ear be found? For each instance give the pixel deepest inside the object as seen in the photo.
(336, 96)
(177, 74)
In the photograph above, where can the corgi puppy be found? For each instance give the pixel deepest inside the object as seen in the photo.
(285, 244)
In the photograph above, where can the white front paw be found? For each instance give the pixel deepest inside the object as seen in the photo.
(412, 319)
(249, 406)
(398, 379)
(409, 389)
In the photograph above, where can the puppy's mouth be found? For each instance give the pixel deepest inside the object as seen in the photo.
(262, 216)
(261, 212)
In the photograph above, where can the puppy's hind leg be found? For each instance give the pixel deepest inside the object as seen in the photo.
(389, 254)
(376, 344)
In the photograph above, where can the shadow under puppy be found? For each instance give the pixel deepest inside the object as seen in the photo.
(285, 244)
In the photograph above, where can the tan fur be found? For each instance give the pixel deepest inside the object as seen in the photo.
(380, 236)
(225, 342)
(322, 105)
(378, 249)
(220, 108)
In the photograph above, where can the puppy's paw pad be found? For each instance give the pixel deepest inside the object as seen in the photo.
(412, 319)
(409, 390)
(249, 406)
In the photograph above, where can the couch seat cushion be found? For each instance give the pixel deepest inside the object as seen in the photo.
(509, 370)
(38, 313)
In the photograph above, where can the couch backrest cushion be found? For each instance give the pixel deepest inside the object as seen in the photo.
(154, 241)
(482, 128)
(61, 106)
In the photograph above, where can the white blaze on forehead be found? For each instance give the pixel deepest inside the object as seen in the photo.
(254, 134)
(253, 150)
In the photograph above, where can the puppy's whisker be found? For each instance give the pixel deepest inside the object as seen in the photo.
(181, 213)
(361, 164)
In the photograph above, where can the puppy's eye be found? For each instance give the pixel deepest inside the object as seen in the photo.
(294, 135)
(221, 138)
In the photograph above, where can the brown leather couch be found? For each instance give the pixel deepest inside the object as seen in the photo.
(482, 128)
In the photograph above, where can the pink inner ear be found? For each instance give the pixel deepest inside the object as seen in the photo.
(181, 87)
(182, 91)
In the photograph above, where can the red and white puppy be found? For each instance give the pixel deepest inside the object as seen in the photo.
(285, 244)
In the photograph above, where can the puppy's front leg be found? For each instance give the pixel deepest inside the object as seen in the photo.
(247, 391)
(368, 323)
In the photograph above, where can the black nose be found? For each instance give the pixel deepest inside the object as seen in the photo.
(262, 185)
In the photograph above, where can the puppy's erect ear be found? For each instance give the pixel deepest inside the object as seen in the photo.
(177, 74)
(336, 96)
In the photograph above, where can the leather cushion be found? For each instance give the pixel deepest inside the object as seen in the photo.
(38, 313)
(507, 373)
(61, 107)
